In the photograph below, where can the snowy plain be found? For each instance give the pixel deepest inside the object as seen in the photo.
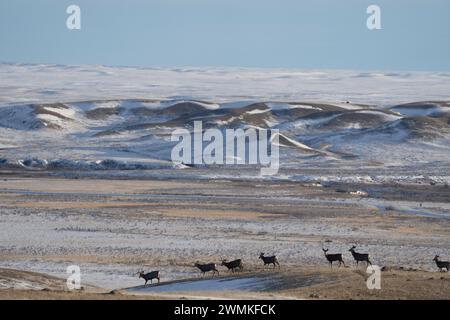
(41, 83)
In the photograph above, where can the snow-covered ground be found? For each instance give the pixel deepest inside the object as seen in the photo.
(169, 225)
(25, 83)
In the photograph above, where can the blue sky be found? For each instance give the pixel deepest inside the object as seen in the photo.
(306, 34)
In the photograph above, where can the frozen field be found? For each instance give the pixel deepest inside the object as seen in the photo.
(34, 83)
(114, 228)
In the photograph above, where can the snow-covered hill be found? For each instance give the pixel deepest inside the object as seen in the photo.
(80, 119)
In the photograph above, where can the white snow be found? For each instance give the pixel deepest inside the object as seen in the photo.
(55, 83)
(258, 111)
(18, 284)
(417, 111)
(386, 116)
(68, 113)
(296, 143)
(304, 106)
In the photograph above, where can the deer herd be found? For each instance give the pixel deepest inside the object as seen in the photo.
(237, 264)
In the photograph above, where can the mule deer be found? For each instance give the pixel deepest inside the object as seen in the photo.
(207, 268)
(333, 257)
(149, 276)
(232, 265)
(360, 256)
(441, 264)
(269, 260)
